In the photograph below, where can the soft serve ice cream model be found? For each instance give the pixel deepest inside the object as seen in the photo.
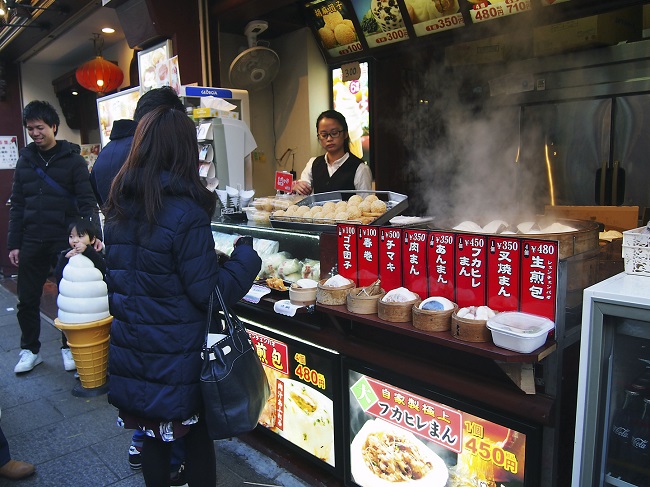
(83, 295)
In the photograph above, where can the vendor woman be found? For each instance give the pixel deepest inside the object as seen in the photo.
(337, 169)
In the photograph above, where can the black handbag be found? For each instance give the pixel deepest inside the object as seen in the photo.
(233, 382)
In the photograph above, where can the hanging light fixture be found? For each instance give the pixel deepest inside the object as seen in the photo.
(98, 74)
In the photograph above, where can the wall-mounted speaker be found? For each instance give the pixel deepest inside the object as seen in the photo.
(140, 23)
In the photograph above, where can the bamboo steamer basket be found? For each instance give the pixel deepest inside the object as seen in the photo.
(433, 320)
(363, 304)
(332, 296)
(469, 330)
(302, 296)
(397, 312)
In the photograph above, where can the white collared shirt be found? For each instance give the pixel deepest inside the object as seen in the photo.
(362, 176)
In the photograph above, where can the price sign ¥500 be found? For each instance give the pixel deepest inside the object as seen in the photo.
(283, 181)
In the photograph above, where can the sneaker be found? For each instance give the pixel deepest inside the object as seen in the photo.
(68, 361)
(27, 362)
(177, 478)
(135, 460)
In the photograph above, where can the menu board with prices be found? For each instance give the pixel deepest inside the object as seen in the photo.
(539, 265)
(381, 21)
(332, 23)
(440, 262)
(8, 151)
(367, 255)
(471, 269)
(347, 251)
(504, 263)
(429, 17)
(414, 262)
(390, 258)
(492, 9)
(301, 405)
(439, 445)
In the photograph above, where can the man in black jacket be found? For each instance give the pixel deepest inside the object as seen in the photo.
(51, 188)
(112, 157)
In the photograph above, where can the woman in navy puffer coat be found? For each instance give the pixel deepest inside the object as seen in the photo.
(161, 270)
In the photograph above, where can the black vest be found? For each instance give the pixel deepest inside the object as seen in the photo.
(342, 179)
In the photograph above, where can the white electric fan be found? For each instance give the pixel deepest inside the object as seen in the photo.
(257, 66)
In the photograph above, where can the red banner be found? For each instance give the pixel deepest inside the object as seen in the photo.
(539, 263)
(368, 255)
(440, 261)
(414, 269)
(504, 263)
(471, 267)
(347, 251)
(390, 258)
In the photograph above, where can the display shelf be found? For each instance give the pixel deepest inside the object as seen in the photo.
(488, 350)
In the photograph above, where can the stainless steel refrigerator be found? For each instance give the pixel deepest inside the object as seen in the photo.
(612, 433)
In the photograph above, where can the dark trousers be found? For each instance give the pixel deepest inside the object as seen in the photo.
(200, 460)
(4, 450)
(34, 264)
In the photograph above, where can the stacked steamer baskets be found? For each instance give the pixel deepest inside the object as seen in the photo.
(434, 314)
(365, 300)
(333, 291)
(397, 305)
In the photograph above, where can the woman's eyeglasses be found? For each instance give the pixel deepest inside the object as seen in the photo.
(332, 133)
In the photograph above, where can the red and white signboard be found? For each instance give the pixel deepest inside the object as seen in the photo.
(471, 268)
(390, 258)
(283, 181)
(539, 265)
(504, 264)
(367, 255)
(347, 251)
(440, 262)
(414, 262)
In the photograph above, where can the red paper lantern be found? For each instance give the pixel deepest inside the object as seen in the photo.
(99, 75)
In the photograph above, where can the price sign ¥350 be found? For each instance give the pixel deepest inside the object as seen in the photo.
(283, 181)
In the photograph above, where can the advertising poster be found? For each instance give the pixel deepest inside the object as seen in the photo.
(398, 437)
(90, 153)
(153, 66)
(8, 151)
(381, 21)
(300, 407)
(351, 99)
(115, 107)
(429, 17)
(480, 11)
(332, 23)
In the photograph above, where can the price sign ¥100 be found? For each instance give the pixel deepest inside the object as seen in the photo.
(283, 181)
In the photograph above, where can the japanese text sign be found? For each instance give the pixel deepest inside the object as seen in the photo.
(367, 255)
(283, 181)
(347, 251)
(471, 257)
(504, 263)
(440, 261)
(539, 266)
(414, 262)
(390, 258)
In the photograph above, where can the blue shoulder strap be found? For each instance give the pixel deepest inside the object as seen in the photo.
(56, 186)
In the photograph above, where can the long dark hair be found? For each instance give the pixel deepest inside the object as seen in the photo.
(338, 116)
(164, 141)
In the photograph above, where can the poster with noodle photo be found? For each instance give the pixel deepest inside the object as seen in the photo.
(400, 437)
(351, 98)
(300, 408)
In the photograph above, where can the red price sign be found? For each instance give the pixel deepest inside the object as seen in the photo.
(283, 181)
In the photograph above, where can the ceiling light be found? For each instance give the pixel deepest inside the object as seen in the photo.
(108, 30)
(75, 93)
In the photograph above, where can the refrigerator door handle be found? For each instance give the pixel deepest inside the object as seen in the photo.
(603, 177)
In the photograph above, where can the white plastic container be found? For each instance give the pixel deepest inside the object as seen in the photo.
(519, 332)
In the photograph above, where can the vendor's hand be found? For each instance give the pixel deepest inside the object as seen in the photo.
(301, 187)
(98, 245)
(13, 256)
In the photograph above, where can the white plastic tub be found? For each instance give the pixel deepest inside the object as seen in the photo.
(519, 332)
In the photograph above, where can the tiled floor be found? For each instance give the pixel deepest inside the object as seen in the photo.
(74, 441)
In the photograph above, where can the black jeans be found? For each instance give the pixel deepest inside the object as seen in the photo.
(34, 263)
(200, 460)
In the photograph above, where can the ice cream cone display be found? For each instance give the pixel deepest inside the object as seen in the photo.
(84, 318)
(88, 343)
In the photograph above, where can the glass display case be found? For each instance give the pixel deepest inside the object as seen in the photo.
(613, 415)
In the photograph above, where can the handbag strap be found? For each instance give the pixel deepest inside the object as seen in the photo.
(231, 322)
(52, 183)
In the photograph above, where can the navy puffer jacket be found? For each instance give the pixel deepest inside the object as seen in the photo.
(159, 283)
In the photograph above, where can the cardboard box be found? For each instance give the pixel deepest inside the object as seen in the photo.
(597, 30)
(205, 112)
(613, 217)
(489, 50)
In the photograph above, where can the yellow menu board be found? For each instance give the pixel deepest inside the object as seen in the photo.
(480, 11)
(332, 23)
(381, 21)
(429, 17)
